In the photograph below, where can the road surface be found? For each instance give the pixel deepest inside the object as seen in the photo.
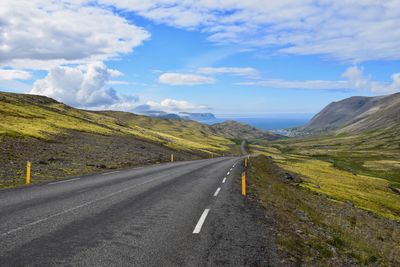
(176, 214)
(243, 148)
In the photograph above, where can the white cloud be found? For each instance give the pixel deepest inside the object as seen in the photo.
(119, 82)
(229, 70)
(42, 34)
(11, 74)
(307, 84)
(173, 78)
(83, 87)
(357, 79)
(345, 30)
(203, 75)
(172, 105)
(354, 80)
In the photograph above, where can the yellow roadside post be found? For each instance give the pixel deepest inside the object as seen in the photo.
(243, 184)
(172, 157)
(28, 172)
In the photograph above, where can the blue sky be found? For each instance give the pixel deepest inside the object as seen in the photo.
(228, 58)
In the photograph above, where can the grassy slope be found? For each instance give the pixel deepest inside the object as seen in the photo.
(363, 169)
(318, 231)
(40, 117)
(61, 141)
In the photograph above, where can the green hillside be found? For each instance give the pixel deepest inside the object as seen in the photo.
(363, 168)
(42, 117)
(63, 141)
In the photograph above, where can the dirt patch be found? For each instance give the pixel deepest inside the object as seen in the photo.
(77, 153)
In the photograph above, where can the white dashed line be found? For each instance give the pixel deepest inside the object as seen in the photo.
(106, 173)
(216, 192)
(199, 224)
(227, 173)
(64, 181)
(223, 181)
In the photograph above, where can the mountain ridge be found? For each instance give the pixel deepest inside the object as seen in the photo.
(357, 114)
(237, 130)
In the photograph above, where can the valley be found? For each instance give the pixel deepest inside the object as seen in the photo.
(308, 180)
(61, 141)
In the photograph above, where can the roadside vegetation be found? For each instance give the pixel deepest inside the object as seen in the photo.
(62, 141)
(363, 169)
(318, 225)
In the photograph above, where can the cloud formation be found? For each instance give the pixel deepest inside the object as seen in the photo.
(357, 79)
(345, 30)
(11, 74)
(354, 80)
(174, 78)
(84, 87)
(306, 84)
(42, 34)
(172, 105)
(204, 75)
(247, 71)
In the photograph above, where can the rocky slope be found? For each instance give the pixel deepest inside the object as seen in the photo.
(357, 115)
(237, 130)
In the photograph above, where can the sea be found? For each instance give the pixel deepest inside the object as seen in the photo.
(270, 123)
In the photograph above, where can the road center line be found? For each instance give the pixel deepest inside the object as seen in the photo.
(223, 181)
(106, 173)
(64, 181)
(77, 207)
(216, 192)
(227, 173)
(199, 224)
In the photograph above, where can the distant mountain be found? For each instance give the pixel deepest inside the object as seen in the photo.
(356, 115)
(237, 130)
(144, 110)
(197, 116)
(159, 114)
(170, 116)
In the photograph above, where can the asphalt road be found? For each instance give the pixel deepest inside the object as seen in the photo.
(243, 148)
(176, 214)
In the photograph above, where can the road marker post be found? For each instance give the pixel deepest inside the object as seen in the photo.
(28, 172)
(172, 157)
(243, 184)
(245, 162)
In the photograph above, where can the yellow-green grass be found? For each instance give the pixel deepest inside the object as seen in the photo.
(369, 193)
(176, 133)
(374, 154)
(33, 121)
(39, 117)
(319, 231)
(364, 191)
(382, 164)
